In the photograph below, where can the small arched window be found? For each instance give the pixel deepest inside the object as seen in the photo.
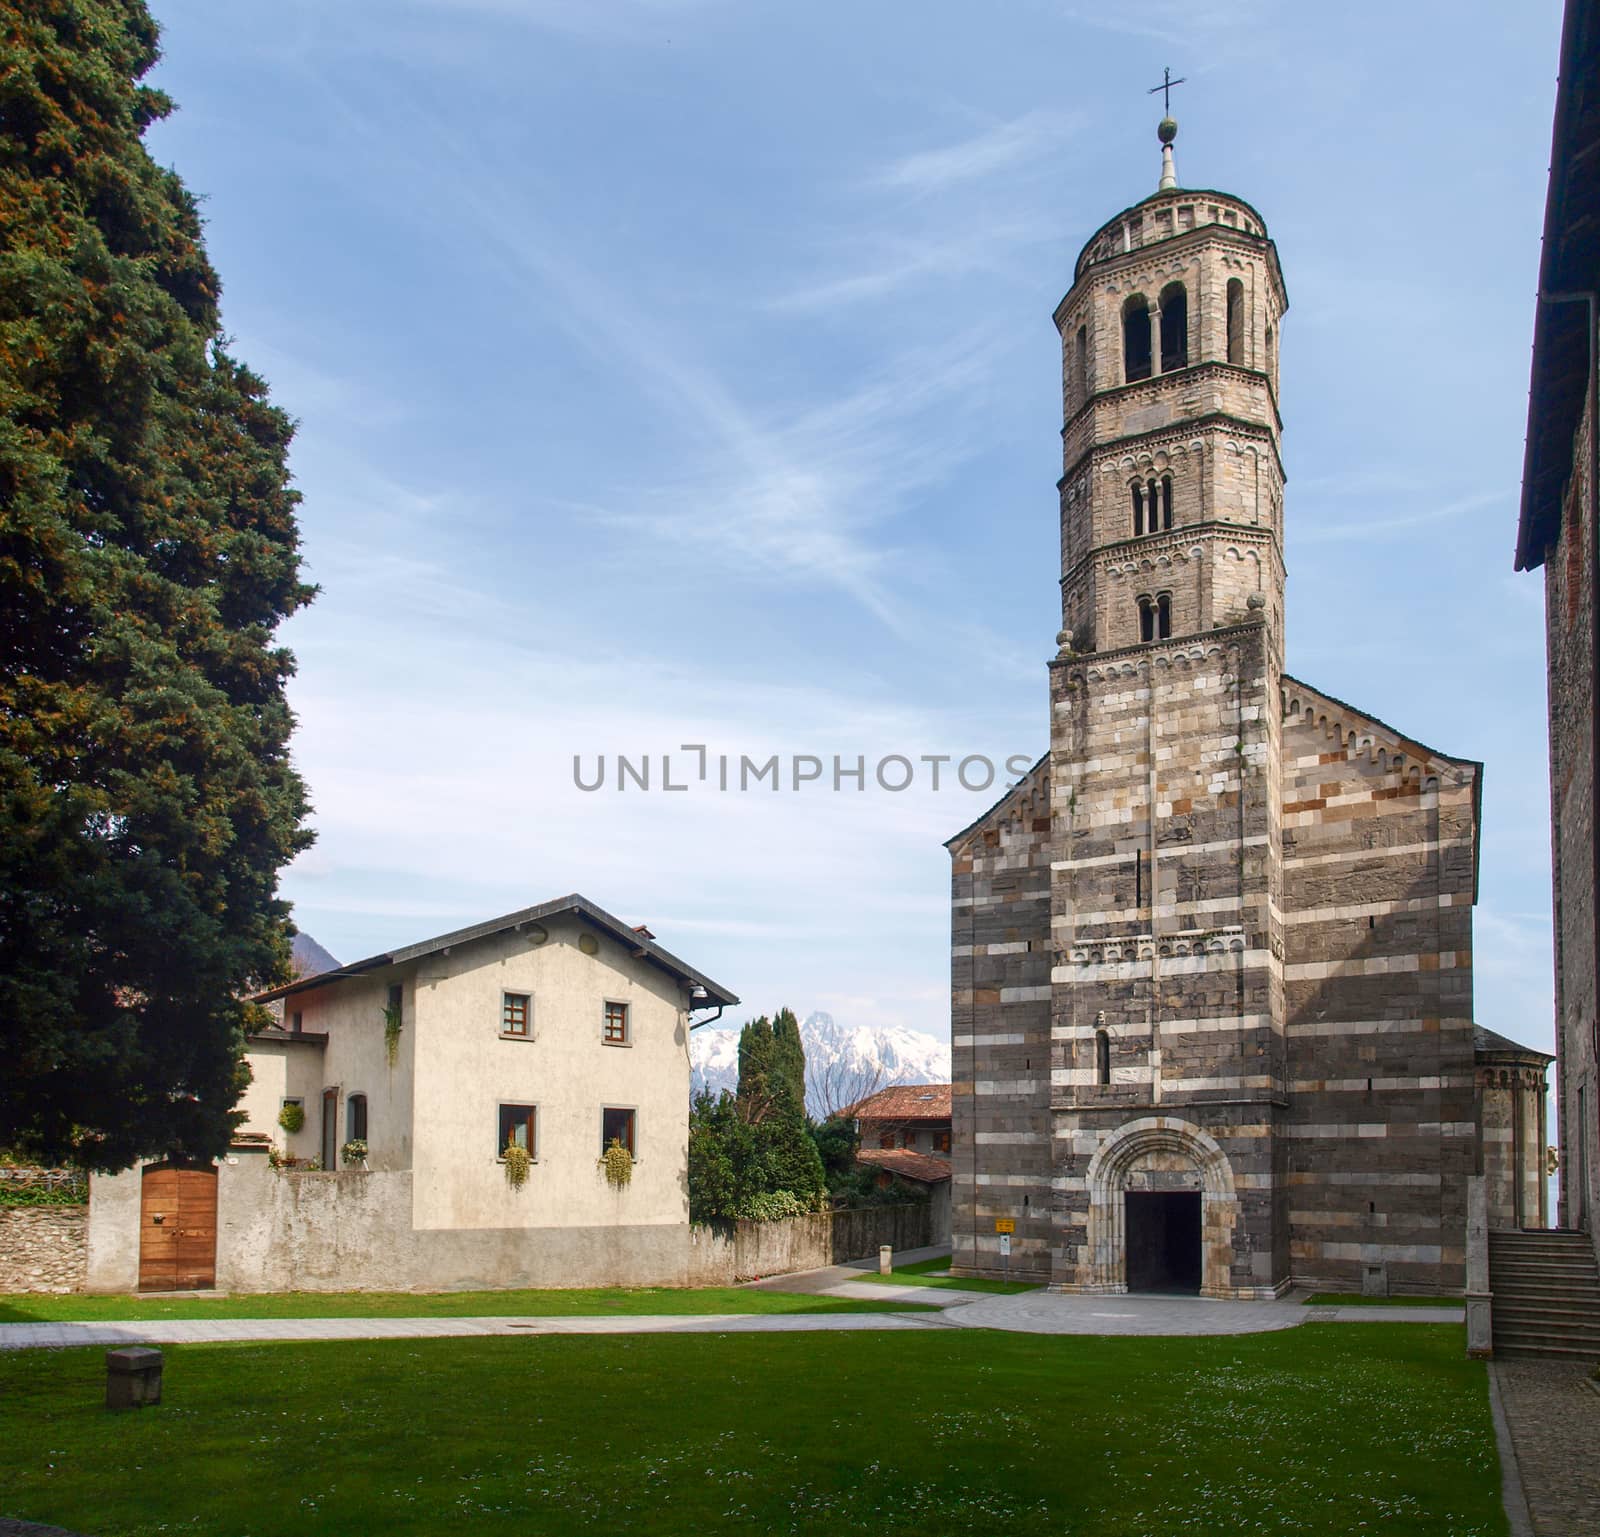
(1272, 362)
(1102, 1057)
(1166, 501)
(1136, 339)
(355, 1118)
(1147, 619)
(1235, 321)
(1137, 492)
(1080, 366)
(1163, 617)
(1174, 327)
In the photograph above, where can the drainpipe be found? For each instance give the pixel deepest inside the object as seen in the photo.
(1590, 299)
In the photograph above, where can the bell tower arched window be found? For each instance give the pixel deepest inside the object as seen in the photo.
(1136, 339)
(1235, 321)
(1137, 492)
(1166, 502)
(1080, 364)
(1147, 619)
(1174, 327)
(1163, 617)
(1102, 1057)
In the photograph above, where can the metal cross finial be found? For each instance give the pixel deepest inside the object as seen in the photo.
(1167, 83)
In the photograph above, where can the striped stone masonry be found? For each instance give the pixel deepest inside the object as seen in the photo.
(1216, 946)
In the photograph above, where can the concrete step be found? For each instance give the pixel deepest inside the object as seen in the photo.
(1562, 1352)
(1533, 1272)
(1515, 1313)
(1582, 1297)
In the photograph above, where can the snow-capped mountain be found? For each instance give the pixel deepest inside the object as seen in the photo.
(844, 1063)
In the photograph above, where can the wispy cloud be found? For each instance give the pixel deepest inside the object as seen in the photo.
(1004, 145)
(1308, 531)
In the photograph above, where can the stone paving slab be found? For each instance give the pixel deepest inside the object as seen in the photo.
(1554, 1420)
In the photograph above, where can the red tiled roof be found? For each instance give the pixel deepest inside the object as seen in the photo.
(904, 1102)
(908, 1165)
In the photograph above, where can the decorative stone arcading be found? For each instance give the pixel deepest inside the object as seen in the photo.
(1145, 947)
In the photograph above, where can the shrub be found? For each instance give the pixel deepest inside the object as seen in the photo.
(773, 1206)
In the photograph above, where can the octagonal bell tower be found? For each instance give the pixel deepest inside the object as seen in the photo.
(1172, 483)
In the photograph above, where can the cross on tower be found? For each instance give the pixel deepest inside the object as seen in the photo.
(1167, 83)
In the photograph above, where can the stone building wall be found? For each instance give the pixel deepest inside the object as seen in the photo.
(1379, 870)
(1000, 1034)
(1569, 642)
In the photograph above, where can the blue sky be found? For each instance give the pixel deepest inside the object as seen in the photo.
(680, 371)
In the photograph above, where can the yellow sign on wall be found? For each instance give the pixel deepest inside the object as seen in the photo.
(1005, 1224)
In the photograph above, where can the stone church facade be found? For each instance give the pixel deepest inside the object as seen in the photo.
(1212, 957)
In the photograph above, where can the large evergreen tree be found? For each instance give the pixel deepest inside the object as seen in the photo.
(148, 550)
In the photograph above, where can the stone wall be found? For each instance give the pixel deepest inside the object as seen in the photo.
(1381, 1133)
(1000, 1034)
(1569, 641)
(354, 1231)
(43, 1248)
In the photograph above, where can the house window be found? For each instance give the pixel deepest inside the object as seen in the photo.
(396, 995)
(614, 1031)
(516, 1015)
(941, 1141)
(617, 1126)
(885, 1139)
(519, 1125)
(908, 1139)
(297, 1022)
(355, 1118)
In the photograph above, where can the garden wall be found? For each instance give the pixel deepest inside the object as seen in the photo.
(354, 1232)
(43, 1248)
(744, 1250)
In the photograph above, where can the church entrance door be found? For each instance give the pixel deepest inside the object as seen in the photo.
(1163, 1229)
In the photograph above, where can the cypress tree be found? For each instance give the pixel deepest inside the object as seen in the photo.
(148, 551)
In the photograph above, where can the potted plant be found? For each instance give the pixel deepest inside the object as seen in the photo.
(354, 1151)
(517, 1163)
(391, 1032)
(617, 1162)
(292, 1117)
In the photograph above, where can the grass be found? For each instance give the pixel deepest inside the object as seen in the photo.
(936, 1273)
(33, 1308)
(1320, 1431)
(1356, 1300)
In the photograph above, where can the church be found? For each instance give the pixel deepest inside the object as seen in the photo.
(1211, 958)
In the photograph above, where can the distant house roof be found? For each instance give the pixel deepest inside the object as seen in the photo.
(1488, 1044)
(901, 1161)
(580, 907)
(904, 1102)
(1569, 263)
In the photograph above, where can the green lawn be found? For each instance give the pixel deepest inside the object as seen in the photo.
(1319, 1431)
(1356, 1300)
(935, 1272)
(15, 1308)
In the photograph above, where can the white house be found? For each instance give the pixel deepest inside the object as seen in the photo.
(557, 1028)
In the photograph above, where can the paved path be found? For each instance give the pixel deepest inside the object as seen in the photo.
(1554, 1420)
(1026, 1313)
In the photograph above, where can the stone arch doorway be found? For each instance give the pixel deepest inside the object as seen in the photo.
(1166, 1185)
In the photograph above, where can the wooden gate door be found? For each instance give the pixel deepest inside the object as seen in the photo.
(178, 1229)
